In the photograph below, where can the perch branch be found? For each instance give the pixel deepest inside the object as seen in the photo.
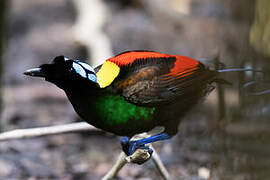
(120, 163)
(43, 131)
(159, 165)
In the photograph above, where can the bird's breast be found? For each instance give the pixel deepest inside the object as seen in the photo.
(114, 114)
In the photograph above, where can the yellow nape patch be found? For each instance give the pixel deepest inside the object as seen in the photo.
(107, 73)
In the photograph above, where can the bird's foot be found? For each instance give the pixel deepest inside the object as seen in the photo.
(125, 143)
(129, 147)
(133, 145)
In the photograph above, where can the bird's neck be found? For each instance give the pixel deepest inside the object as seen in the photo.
(82, 91)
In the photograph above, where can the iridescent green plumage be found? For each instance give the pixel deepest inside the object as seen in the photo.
(115, 110)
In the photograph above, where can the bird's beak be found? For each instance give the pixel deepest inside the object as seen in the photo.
(37, 72)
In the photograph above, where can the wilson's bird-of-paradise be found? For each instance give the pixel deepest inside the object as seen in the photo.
(133, 92)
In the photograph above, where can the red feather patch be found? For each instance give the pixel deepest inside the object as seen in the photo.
(183, 65)
(127, 58)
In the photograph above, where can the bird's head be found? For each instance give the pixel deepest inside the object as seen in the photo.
(63, 71)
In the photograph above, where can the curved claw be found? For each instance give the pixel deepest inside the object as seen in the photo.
(150, 151)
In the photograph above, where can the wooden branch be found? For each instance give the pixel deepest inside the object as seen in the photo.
(159, 165)
(44, 131)
(120, 163)
(140, 156)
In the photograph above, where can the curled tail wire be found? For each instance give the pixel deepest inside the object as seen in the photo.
(238, 70)
(263, 87)
(253, 87)
(223, 81)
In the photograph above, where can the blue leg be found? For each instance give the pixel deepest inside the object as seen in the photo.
(130, 146)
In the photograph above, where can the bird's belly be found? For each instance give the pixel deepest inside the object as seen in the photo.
(114, 114)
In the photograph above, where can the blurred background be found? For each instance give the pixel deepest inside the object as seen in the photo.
(225, 137)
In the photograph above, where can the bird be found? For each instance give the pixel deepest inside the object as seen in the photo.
(133, 92)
